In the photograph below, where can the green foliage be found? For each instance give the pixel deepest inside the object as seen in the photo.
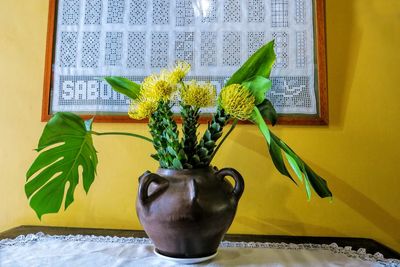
(190, 117)
(124, 86)
(317, 182)
(277, 147)
(259, 64)
(268, 111)
(277, 159)
(65, 145)
(254, 74)
(164, 131)
(258, 86)
(206, 146)
(67, 153)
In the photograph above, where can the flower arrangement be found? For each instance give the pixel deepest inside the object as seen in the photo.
(66, 142)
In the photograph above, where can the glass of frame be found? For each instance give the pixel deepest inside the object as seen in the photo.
(90, 39)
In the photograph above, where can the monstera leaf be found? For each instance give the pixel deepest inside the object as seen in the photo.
(65, 148)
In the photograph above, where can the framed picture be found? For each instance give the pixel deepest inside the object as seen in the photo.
(90, 39)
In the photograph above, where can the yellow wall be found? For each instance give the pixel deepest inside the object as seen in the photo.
(358, 153)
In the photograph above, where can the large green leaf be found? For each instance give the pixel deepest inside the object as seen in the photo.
(277, 147)
(317, 182)
(124, 86)
(319, 185)
(277, 159)
(65, 147)
(259, 64)
(258, 86)
(294, 166)
(258, 120)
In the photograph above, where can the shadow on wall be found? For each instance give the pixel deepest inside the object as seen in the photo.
(364, 206)
(343, 41)
(353, 198)
(275, 193)
(344, 34)
(291, 225)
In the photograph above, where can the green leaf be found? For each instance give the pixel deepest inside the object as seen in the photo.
(294, 166)
(268, 111)
(258, 120)
(317, 182)
(277, 159)
(65, 145)
(217, 135)
(177, 164)
(182, 155)
(258, 86)
(124, 86)
(207, 135)
(259, 64)
(196, 159)
(209, 144)
(276, 146)
(307, 185)
(202, 152)
(319, 185)
(171, 151)
(216, 127)
(274, 149)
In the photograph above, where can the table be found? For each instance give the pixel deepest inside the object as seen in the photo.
(60, 246)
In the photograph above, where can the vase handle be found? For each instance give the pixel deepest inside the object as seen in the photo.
(239, 182)
(144, 182)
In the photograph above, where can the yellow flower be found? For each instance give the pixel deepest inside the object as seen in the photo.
(179, 72)
(157, 87)
(142, 108)
(198, 95)
(237, 101)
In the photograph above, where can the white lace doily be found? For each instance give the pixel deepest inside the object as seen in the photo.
(58, 250)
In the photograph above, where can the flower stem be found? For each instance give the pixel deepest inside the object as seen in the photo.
(123, 133)
(234, 123)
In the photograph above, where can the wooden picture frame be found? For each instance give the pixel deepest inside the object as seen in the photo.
(321, 92)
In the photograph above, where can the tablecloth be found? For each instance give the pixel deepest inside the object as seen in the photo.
(79, 250)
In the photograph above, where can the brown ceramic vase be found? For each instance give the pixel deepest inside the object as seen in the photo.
(187, 212)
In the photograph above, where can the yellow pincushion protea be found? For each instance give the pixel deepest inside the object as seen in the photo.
(179, 72)
(237, 101)
(162, 86)
(142, 108)
(157, 87)
(198, 95)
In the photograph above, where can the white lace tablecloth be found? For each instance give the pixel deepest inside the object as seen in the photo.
(77, 250)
